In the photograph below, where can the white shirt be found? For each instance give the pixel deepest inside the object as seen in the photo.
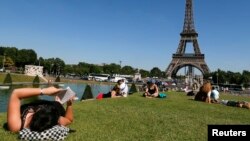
(124, 89)
(215, 94)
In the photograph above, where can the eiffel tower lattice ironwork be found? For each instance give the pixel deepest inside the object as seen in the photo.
(182, 59)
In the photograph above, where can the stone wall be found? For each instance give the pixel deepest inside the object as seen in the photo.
(33, 70)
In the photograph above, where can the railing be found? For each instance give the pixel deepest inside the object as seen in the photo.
(189, 55)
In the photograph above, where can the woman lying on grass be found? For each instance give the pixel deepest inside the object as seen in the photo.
(39, 115)
(119, 90)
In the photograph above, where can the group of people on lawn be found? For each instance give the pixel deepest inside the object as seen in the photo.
(121, 90)
(209, 94)
(43, 115)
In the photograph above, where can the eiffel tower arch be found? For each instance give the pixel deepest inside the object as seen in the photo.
(182, 59)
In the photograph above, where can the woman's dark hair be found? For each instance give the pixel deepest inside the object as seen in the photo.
(44, 118)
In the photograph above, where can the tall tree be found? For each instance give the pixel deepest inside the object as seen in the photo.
(54, 66)
(155, 72)
(68, 69)
(2, 49)
(8, 62)
(95, 69)
(245, 78)
(111, 68)
(40, 61)
(144, 73)
(26, 57)
(128, 70)
(11, 52)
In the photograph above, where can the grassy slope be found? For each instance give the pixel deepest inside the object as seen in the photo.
(175, 118)
(18, 78)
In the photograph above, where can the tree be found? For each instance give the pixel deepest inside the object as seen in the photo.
(8, 62)
(207, 76)
(144, 73)
(58, 79)
(7, 79)
(83, 64)
(1, 61)
(59, 66)
(54, 66)
(68, 69)
(234, 78)
(36, 82)
(87, 93)
(155, 72)
(127, 70)
(40, 61)
(111, 68)
(25, 57)
(11, 52)
(95, 69)
(2, 49)
(222, 77)
(133, 89)
(83, 68)
(245, 78)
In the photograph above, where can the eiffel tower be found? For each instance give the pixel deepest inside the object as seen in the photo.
(182, 59)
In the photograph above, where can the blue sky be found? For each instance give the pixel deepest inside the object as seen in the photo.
(139, 33)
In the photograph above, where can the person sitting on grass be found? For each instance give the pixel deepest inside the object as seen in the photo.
(39, 115)
(204, 93)
(123, 88)
(151, 90)
(215, 95)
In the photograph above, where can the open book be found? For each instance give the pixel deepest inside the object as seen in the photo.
(65, 95)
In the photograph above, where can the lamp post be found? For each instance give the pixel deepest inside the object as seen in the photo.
(217, 75)
(58, 70)
(3, 62)
(120, 66)
(51, 65)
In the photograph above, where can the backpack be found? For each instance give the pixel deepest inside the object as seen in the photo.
(162, 95)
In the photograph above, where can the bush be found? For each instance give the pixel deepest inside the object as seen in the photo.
(7, 79)
(133, 89)
(58, 79)
(87, 93)
(36, 82)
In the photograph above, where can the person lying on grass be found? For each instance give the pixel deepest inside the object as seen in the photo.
(39, 115)
(119, 90)
(240, 104)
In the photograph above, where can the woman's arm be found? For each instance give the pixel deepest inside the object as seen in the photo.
(13, 111)
(68, 118)
(208, 99)
(146, 91)
(156, 90)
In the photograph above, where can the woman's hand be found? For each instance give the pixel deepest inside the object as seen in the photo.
(70, 102)
(50, 91)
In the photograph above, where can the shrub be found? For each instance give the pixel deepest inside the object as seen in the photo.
(7, 79)
(133, 89)
(36, 82)
(87, 93)
(58, 79)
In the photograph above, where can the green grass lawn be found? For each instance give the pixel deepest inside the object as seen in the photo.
(18, 77)
(135, 118)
